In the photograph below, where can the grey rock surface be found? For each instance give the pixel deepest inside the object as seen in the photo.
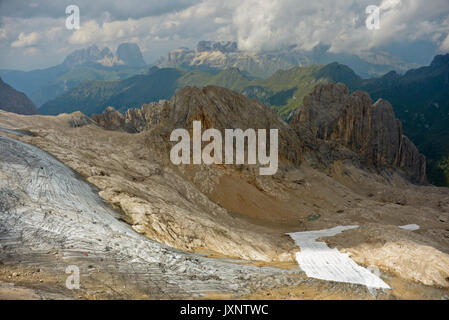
(331, 115)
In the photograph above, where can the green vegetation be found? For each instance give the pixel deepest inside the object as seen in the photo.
(94, 96)
(313, 217)
(284, 90)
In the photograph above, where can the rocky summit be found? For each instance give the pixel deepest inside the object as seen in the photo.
(331, 115)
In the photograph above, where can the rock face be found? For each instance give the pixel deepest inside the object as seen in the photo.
(216, 107)
(330, 114)
(81, 56)
(133, 121)
(15, 101)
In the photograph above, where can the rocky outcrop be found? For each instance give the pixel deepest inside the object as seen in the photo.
(15, 101)
(331, 114)
(111, 119)
(133, 121)
(214, 106)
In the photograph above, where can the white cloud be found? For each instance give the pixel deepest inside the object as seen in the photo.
(269, 24)
(86, 34)
(26, 40)
(30, 51)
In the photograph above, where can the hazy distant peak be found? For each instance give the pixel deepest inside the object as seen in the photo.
(127, 54)
(130, 54)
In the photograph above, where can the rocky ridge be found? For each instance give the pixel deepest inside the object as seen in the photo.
(329, 115)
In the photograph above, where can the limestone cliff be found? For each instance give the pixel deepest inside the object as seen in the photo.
(331, 114)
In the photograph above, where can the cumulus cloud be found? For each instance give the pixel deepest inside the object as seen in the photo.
(26, 40)
(258, 25)
(269, 24)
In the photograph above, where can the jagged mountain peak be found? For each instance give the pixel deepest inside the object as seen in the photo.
(330, 114)
(127, 54)
(130, 54)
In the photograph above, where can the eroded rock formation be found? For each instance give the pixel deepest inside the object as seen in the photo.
(331, 114)
(15, 101)
(216, 107)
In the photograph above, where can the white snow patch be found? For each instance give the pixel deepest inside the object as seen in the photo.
(410, 227)
(321, 262)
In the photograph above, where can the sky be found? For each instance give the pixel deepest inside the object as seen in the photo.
(33, 34)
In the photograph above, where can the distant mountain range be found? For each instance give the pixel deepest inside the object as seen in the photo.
(221, 55)
(283, 90)
(94, 96)
(15, 101)
(211, 56)
(81, 65)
